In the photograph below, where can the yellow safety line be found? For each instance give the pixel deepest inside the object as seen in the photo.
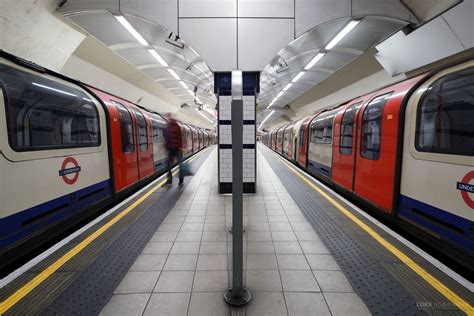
(440, 287)
(32, 284)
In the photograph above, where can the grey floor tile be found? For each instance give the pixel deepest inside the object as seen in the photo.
(185, 248)
(306, 235)
(138, 282)
(283, 236)
(180, 262)
(215, 227)
(157, 248)
(280, 226)
(258, 227)
(278, 219)
(173, 219)
(333, 281)
(215, 219)
(125, 304)
(189, 236)
(298, 281)
(214, 235)
(313, 247)
(168, 304)
(213, 247)
(261, 262)
(172, 227)
(175, 281)
(296, 219)
(259, 236)
(263, 280)
(211, 281)
(209, 304)
(164, 236)
(287, 247)
(292, 262)
(346, 304)
(266, 303)
(195, 219)
(192, 227)
(322, 262)
(149, 263)
(260, 247)
(305, 304)
(212, 262)
(302, 226)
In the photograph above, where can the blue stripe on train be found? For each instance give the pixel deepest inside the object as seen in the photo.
(17, 226)
(318, 168)
(455, 229)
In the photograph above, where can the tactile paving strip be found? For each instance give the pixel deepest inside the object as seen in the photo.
(91, 291)
(382, 294)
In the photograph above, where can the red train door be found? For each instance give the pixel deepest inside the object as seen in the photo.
(303, 145)
(143, 146)
(344, 144)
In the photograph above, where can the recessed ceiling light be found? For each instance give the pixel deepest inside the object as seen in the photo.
(131, 29)
(174, 74)
(314, 60)
(158, 57)
(349, 27)
(288, 86)
(298, 76)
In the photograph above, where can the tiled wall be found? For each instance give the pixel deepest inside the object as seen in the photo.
(225, 142)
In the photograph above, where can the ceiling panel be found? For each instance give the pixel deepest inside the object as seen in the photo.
(164, 12)
(262, 8)
(310, 13)
(137, 56)
(260, 40)
(214, 39)
(104, 27)
(207, 8)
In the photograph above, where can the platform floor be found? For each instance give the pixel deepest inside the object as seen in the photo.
(167, 251)
(186, 267)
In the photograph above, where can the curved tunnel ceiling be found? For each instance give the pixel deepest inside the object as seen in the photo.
(241, 34)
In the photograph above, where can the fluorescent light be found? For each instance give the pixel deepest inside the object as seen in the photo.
(54, 89)
(190, 92)
(314, 60)
(157, 57)
(279, 94)
(288, 86)
(265, 119)
(174, 74)
(298, 76)
(130, 28)
(185, 86)
(342, 34)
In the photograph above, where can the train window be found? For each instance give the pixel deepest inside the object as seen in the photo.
(142, 130)
(321, 130)
(126, 128)
(372, 128)
(158, 132)
(347, 129)
(445, 112)
(43, 114)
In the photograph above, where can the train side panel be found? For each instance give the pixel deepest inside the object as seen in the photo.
(53, 153)
(437, 183)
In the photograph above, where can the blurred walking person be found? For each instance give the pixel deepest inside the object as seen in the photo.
(174, 144)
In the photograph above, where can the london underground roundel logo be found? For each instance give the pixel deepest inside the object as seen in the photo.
(467, 188)
(70, 170)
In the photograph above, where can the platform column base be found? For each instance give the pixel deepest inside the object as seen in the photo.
(238, 299)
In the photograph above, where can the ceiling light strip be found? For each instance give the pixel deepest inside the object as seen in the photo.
(298, 76)
(265, 119)
(288, 86)
(174, 74)
(131, 29)
(314, 60)
(184, 85)
(346, 30)
(158, 57)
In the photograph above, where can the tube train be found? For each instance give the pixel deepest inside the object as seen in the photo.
(405, 151)
(67, 150)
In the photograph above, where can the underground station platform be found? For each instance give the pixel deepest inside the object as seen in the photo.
(167, 250)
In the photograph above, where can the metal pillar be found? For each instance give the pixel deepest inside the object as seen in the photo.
(237, 295)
